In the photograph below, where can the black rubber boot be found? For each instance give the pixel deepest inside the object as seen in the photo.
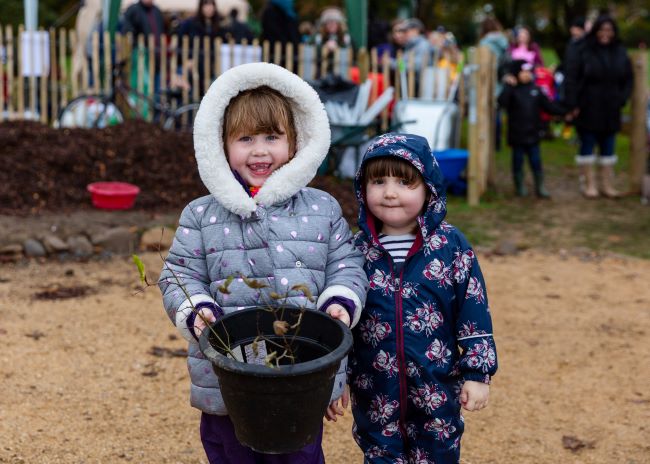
(540, 190)
(520, 186)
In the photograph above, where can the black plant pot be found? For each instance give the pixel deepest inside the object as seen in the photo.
(276, 409)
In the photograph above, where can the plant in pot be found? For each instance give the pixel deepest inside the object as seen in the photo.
(276, 366)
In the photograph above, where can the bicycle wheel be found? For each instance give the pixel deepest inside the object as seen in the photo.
(182, 119)
(90, 111)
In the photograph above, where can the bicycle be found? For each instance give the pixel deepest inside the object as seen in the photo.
(96, 111)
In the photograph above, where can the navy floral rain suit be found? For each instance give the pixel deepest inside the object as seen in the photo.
(425, 330)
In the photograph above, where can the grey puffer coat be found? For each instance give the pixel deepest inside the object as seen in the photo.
(286, 235)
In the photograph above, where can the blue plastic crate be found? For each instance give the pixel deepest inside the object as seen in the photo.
(453, 162)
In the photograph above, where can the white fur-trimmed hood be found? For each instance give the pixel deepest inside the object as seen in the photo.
(312, 129)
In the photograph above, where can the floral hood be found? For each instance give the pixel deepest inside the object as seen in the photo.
(415, 150)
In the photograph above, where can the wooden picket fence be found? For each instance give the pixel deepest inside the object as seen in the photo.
(42, 73)
(44, 70)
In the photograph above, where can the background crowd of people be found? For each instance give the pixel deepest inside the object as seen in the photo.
(588, 89)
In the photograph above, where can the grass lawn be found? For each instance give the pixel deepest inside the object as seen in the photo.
(567, 221)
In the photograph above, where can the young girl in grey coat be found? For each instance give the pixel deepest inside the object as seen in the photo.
(260, 135)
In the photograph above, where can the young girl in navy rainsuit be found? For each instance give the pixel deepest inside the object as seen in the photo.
(424, 345)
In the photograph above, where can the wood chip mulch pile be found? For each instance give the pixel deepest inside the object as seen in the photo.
(47, 169)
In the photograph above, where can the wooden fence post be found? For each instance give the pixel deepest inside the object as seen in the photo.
(266, 51)
(217, 56)
(43, 100)
(488, 60)
(399, 59)
(374, 68)
(54, 76)
(207, 66)
(474, 161)
(411, 75)
(173, 64)
(364, 66)
(638, 142)
(301, 60)
(74, 78)
(20, 78)
(151, 74)
(277, 53)
(108, 65)
(95, 62)
(2, 80)
(65, 89)
(195, 68)
(385, 64)
(185, 46)
(483, 97)
(140, 76)
(164, 70)
(32, 75)
(289, 61)
(10, 69)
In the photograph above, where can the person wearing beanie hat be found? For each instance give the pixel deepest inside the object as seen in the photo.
(524, 101)
(332, 30)
(332, 35)
(417, 44)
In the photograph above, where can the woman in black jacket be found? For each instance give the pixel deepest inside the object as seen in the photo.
(598, 87)
(280, 24)
(206, 23)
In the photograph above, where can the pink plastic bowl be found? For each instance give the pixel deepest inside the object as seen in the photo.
(113, 195)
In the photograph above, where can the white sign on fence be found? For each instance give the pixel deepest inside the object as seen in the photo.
(239, 54)
(35, 53)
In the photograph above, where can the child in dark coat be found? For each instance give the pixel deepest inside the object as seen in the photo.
(423, 347)
(524, 101)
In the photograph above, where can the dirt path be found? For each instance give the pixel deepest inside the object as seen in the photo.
(80, 384)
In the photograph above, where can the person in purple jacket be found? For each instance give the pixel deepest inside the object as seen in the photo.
(423, 347)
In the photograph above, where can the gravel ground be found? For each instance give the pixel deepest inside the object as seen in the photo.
(81, 382)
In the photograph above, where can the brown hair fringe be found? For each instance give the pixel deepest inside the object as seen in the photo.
(261, 110)
(393, 167)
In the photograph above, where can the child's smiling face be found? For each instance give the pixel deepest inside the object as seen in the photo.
(256, 156)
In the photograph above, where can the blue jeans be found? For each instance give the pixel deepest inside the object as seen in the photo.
(589, 140)
(534, 157)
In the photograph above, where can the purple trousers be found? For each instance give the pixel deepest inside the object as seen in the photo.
(222, 447)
